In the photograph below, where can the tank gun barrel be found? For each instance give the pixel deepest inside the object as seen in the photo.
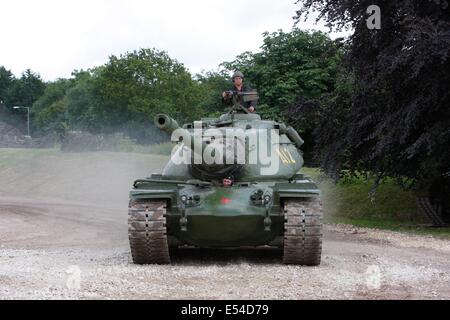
(165, 123)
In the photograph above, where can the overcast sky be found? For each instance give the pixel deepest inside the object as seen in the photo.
(54, 37)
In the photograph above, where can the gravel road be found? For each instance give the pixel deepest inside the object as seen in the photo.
(68, 240)
(61, 250)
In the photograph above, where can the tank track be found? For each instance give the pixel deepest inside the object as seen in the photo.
(303, 231)
(147, 232)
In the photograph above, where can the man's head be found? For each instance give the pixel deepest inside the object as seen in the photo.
(238, 78)
(227, 182)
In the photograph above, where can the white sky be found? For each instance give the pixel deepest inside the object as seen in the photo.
(54, 37)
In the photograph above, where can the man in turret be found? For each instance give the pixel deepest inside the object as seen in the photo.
(238, 81)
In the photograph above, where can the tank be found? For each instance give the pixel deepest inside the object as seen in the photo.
(232, 181)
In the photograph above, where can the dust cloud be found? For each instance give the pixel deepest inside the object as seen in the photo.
(102, 178)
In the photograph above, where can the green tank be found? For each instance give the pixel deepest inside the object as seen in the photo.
(232, 181)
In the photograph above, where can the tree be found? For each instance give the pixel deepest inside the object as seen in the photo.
(18, 92)
(52, 120)
(290, 65)
(398, 121)
(50, 110)
(83, 103)
(6, 81)
(122, 96)
(25, 90)
(134, 87)
(144, 83)
(212, 85)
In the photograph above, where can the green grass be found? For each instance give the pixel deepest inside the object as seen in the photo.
(350, 199)
(16, 158)
(92, 177)
(391, 208)
(12, 157)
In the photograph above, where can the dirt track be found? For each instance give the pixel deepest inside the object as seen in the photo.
(64, 248)
(46, 245)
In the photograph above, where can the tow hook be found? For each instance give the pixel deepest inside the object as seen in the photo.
(267, 220)
(183, 219)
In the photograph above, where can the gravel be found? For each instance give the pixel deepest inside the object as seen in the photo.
(79, 257)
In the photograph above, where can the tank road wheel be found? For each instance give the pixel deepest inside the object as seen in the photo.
(303, 231)
(147, 232)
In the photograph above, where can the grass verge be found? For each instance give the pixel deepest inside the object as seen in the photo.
(12, 157)
(391, 208)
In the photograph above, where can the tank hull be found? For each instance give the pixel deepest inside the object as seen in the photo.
(211, 231)
(219, 217)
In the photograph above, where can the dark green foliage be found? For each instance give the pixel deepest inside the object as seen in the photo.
(291, 65)
(6, 81)
(18, 92)
(398, 120)
(213, 84)
(26, 90)
(131, 89)
(50, 110)
(124, 94)
(82, 102)
(121, 96)
(303, 114)
(145, 83)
